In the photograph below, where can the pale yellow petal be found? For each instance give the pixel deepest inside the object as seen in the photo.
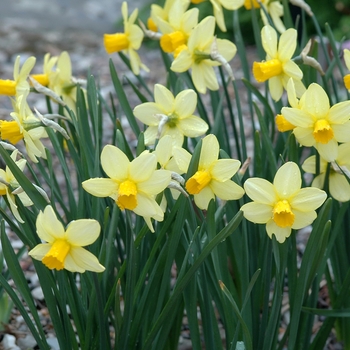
(347, 58)
(182, 62)
(164, 98)
(269, 40)
(260, 190)
(280, 233)
(297, 117)
(224, 169)
(163, 150)
(276, 87)
(308, 199)
(339, 187)
(316, 101)
(83, 232)
(340, 112)
(39, 251)
(287, 180)
(147, 206)
(114, 162)
(48, 227)
(287, 44)
(82, 260)
(182, 158)
(292, 70)
(303, 219)
(100, 187)
(226, 48)
(328, 151)
(304, 136)
(192, 126)
(142, 167)
(257, 212)
(209, 152)
(227, 190)
(146, 113)
(203, 198)
(158, 181)
(341, 131)
(185, 103)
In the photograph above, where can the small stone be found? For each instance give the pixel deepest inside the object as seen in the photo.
(53, 343)
(28, 342)
(9, 342)
(37, 293)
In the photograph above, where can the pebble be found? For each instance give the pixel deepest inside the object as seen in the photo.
(9, 342)
(37, 293)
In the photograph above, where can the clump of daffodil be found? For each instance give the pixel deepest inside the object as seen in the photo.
(282, 205)
(319, 125)
(132, 185)
(278, 67)
(19, 85)
(9, 187)
(129, 41)
(64, 247)
(339, 173)
(213, 177)
(176, 30)
(198, 55)
(347, 63)
(273, 7)
(170, 115)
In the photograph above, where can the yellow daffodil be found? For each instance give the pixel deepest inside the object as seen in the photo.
(19, 85)
(338, 184)
(273, 7)
(63, 249)
(24, 126)
(283, 205)
(9, 184)
(170, 115)
(177, 28)
(129, 41)
(213, 177)
(318, 124)
(198, 55)
(278, 67)
(133, 185)
(347, 63)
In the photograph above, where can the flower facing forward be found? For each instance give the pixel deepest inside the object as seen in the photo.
(283, 205)
(63, 249)
(278, 67)
(213, 177)
(347, 63)
(319, 125)
(133, 185)
(9, 185)
(198, 55)
(19, 85)
(338, 185)
(129, 41)
(170, 115)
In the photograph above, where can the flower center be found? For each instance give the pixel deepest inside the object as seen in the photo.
(54, 259)
(347, 81)
(248, 4)
(10, 131)
(282, 214)
(42, 79)
(7, 87)
(198, 181)
(170, 42)
(172, 120)
(199, 56)
(3, 189)
(127, 195)
(323, 132)
(283, 124)
(263, 71)
(115, 42)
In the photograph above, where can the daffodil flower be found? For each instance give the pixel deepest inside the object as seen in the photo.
(129, 41)
(213, 177)
(64, 247)
(170, 115)
(282, 205)
(347, 63)
(48, 73)
(9, 184)
(273, 7)
(132, 185)
(339, 171)
(197, 56)
(19, 85)
(278, 67)
(318, 124)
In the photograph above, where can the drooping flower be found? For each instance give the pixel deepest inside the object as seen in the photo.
(132, 185)
(213, 177)
(273, 7)
(9, 184)
(347, 63)
(318, 124)
(170, 115)
(129, 41)
(64, 247)
(19, 85)
(282, 205)
(198, 55)
(278, 67)
(339, 170)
